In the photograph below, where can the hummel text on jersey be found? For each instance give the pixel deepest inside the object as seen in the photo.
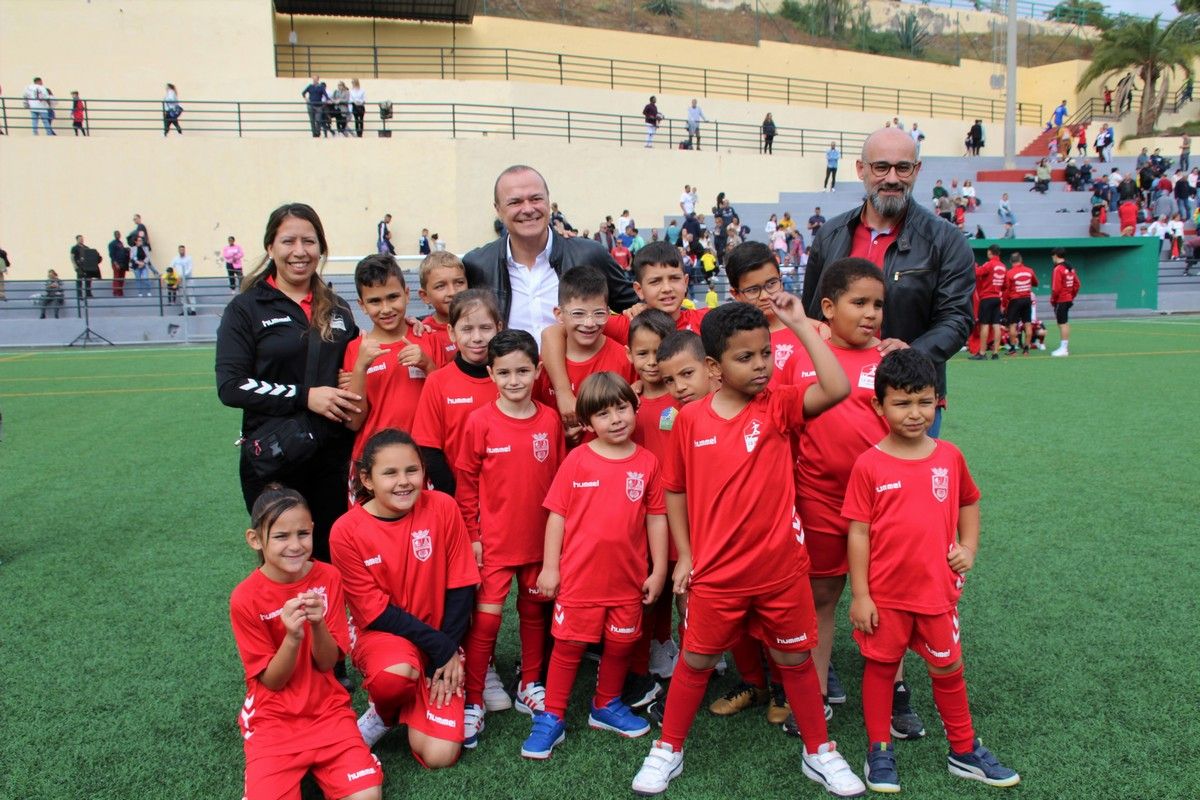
(272, 615)
(937, 653)
(382, 365)
(615, 629)
(373, 561)
(266, 323)
(443, 721)
(459, 401)
(586, 484)
(705, 442)
(506, 449)
(887, 487)
(362, 773)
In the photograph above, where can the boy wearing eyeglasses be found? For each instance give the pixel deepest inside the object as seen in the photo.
(583, 311)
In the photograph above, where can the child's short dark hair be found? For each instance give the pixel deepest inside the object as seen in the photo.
(582, 283)
(657, 322)
(838, 276)
(655, 253)
(1059, 252)
(994, 250)
(436, 259)
(724, 321)
(366, 461)
(745, 257)
(601, 390)
(1016, 257)
(374, 270)
(468, 300)
(907, 370)
(512, 341)
(681, 342)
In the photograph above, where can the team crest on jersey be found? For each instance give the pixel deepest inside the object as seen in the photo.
(941, 483)
(422, 544)
(782, 353)
(750, 434)
(541, 446)
(866, 377)
(319, 591)
(635, 485)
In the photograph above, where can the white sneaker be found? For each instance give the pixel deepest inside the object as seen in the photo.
(663, 658)
(660, 767)
(494, 696)
(1041, 345)
(828, 768)
(1059, 353)
(472, 725)
(531, 698)
(722, 665)
(371, 726)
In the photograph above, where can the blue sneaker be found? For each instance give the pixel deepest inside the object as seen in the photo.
(618, 717)
(835, 695)
(980, 765)
(906, 724)
(548, 732)
(879, 771)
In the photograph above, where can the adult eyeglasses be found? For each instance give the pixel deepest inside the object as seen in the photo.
(903, 168)
(754, 292)
(578, 316)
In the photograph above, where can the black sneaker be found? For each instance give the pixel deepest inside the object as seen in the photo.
(905, 722)
(976, 357)
(640, 690)
(654, 712)
(836, 695)
(995, 356)
(792, 729)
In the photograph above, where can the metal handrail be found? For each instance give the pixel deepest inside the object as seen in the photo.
(459, 63)
(458, 120)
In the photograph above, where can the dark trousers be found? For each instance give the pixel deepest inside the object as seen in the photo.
(359, 113)
(830, 178)
(168, 122)
(768, 141)
(235, 276)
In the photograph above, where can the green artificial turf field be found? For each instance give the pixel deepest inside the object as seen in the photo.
(123, 536)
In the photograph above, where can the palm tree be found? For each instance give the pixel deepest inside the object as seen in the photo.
(1153, 51)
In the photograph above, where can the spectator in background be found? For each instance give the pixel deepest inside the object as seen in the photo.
(4, 265)
(832, 156)
(83, 281)
(1081, 145)
(341, 108)
(687, 200)
(78, 115)
(138, 228)
(622, 255)
(918, 136)
(1185, 152)
(671, 236)
(52, 293)
(423, 242)
(171, 110)
(558, 218)
(118, 256)
(1183, 194)
(815, 221)
(694, 117)
(1108, 98)
(315, 93)
(358, 106)
(768, 134)
(139, 260)
(232, 255)
(182, 265)
(1004, 211)
(39, 100)
(383, 236)
(653, 118)
(975, 137)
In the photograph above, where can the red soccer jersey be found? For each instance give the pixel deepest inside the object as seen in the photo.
(312, 709)
(784, 345)
(439, 332)
(622, 255)
(1127, 214)
(1019, 282)
(1064, 285)
(989, 279)
(449, 397)
(409, 562)
(610, 358)
(617, 327)
(912, 507)
(655, 418)
(392, 390)
(741, 507)
(507, 466)
(605, 546)
(830, 443)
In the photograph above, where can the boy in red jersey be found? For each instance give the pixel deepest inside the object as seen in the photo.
(914, 533)
(989, 285)
(1064, 286)
(452, 393)
(511, 451)
(741, 557)
(581, 312)
(754, 277)
(442, 276)
(388, 365)
(684, 371)
(607, 523)
(1018, 294)
(289, 622)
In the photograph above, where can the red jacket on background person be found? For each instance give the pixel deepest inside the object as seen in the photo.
(1064, 284)
(989, 278)
(1019, 282)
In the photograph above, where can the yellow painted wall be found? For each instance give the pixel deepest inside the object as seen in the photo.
(1168, 144)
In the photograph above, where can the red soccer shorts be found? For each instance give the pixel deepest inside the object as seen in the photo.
(595, 623)
(826, 553)
(341, 769)
(934, 637)
(783, 619)
(375, 651)
(496, 581)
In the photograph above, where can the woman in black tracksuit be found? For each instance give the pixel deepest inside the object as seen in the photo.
(262, 353)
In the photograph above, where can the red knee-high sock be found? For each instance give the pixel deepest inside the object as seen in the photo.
(879, 677)
(662, 616)
(481, 640)
(950, 695)
(639, 661)
(390, 693)
(614, 666)
(747, 657)
(803, 691)
(688, 685)
(564, 664)
(531, 616)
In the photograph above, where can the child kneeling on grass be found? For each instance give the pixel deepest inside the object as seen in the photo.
(914, 532)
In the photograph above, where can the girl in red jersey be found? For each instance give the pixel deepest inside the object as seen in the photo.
(410, 584)
(289, 623)
(453, 392)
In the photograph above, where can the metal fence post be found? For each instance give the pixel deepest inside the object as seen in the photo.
(375, 57)
(506, 63)
(560, 70)
(4, 112)
(789, 90)
(716, 136)
(453, 122)
(864, 97)
(621, 131)
(802, 141)
(513, 113)
(568, 127)
(308, 56)
(612, 83)
(747, 87)
(705, 81)
(239, 119)
(897, 102)
(442, 62)
(660, 78)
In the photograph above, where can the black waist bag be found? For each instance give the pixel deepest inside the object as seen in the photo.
(285, 441)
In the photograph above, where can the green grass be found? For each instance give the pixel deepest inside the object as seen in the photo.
(122, 537)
